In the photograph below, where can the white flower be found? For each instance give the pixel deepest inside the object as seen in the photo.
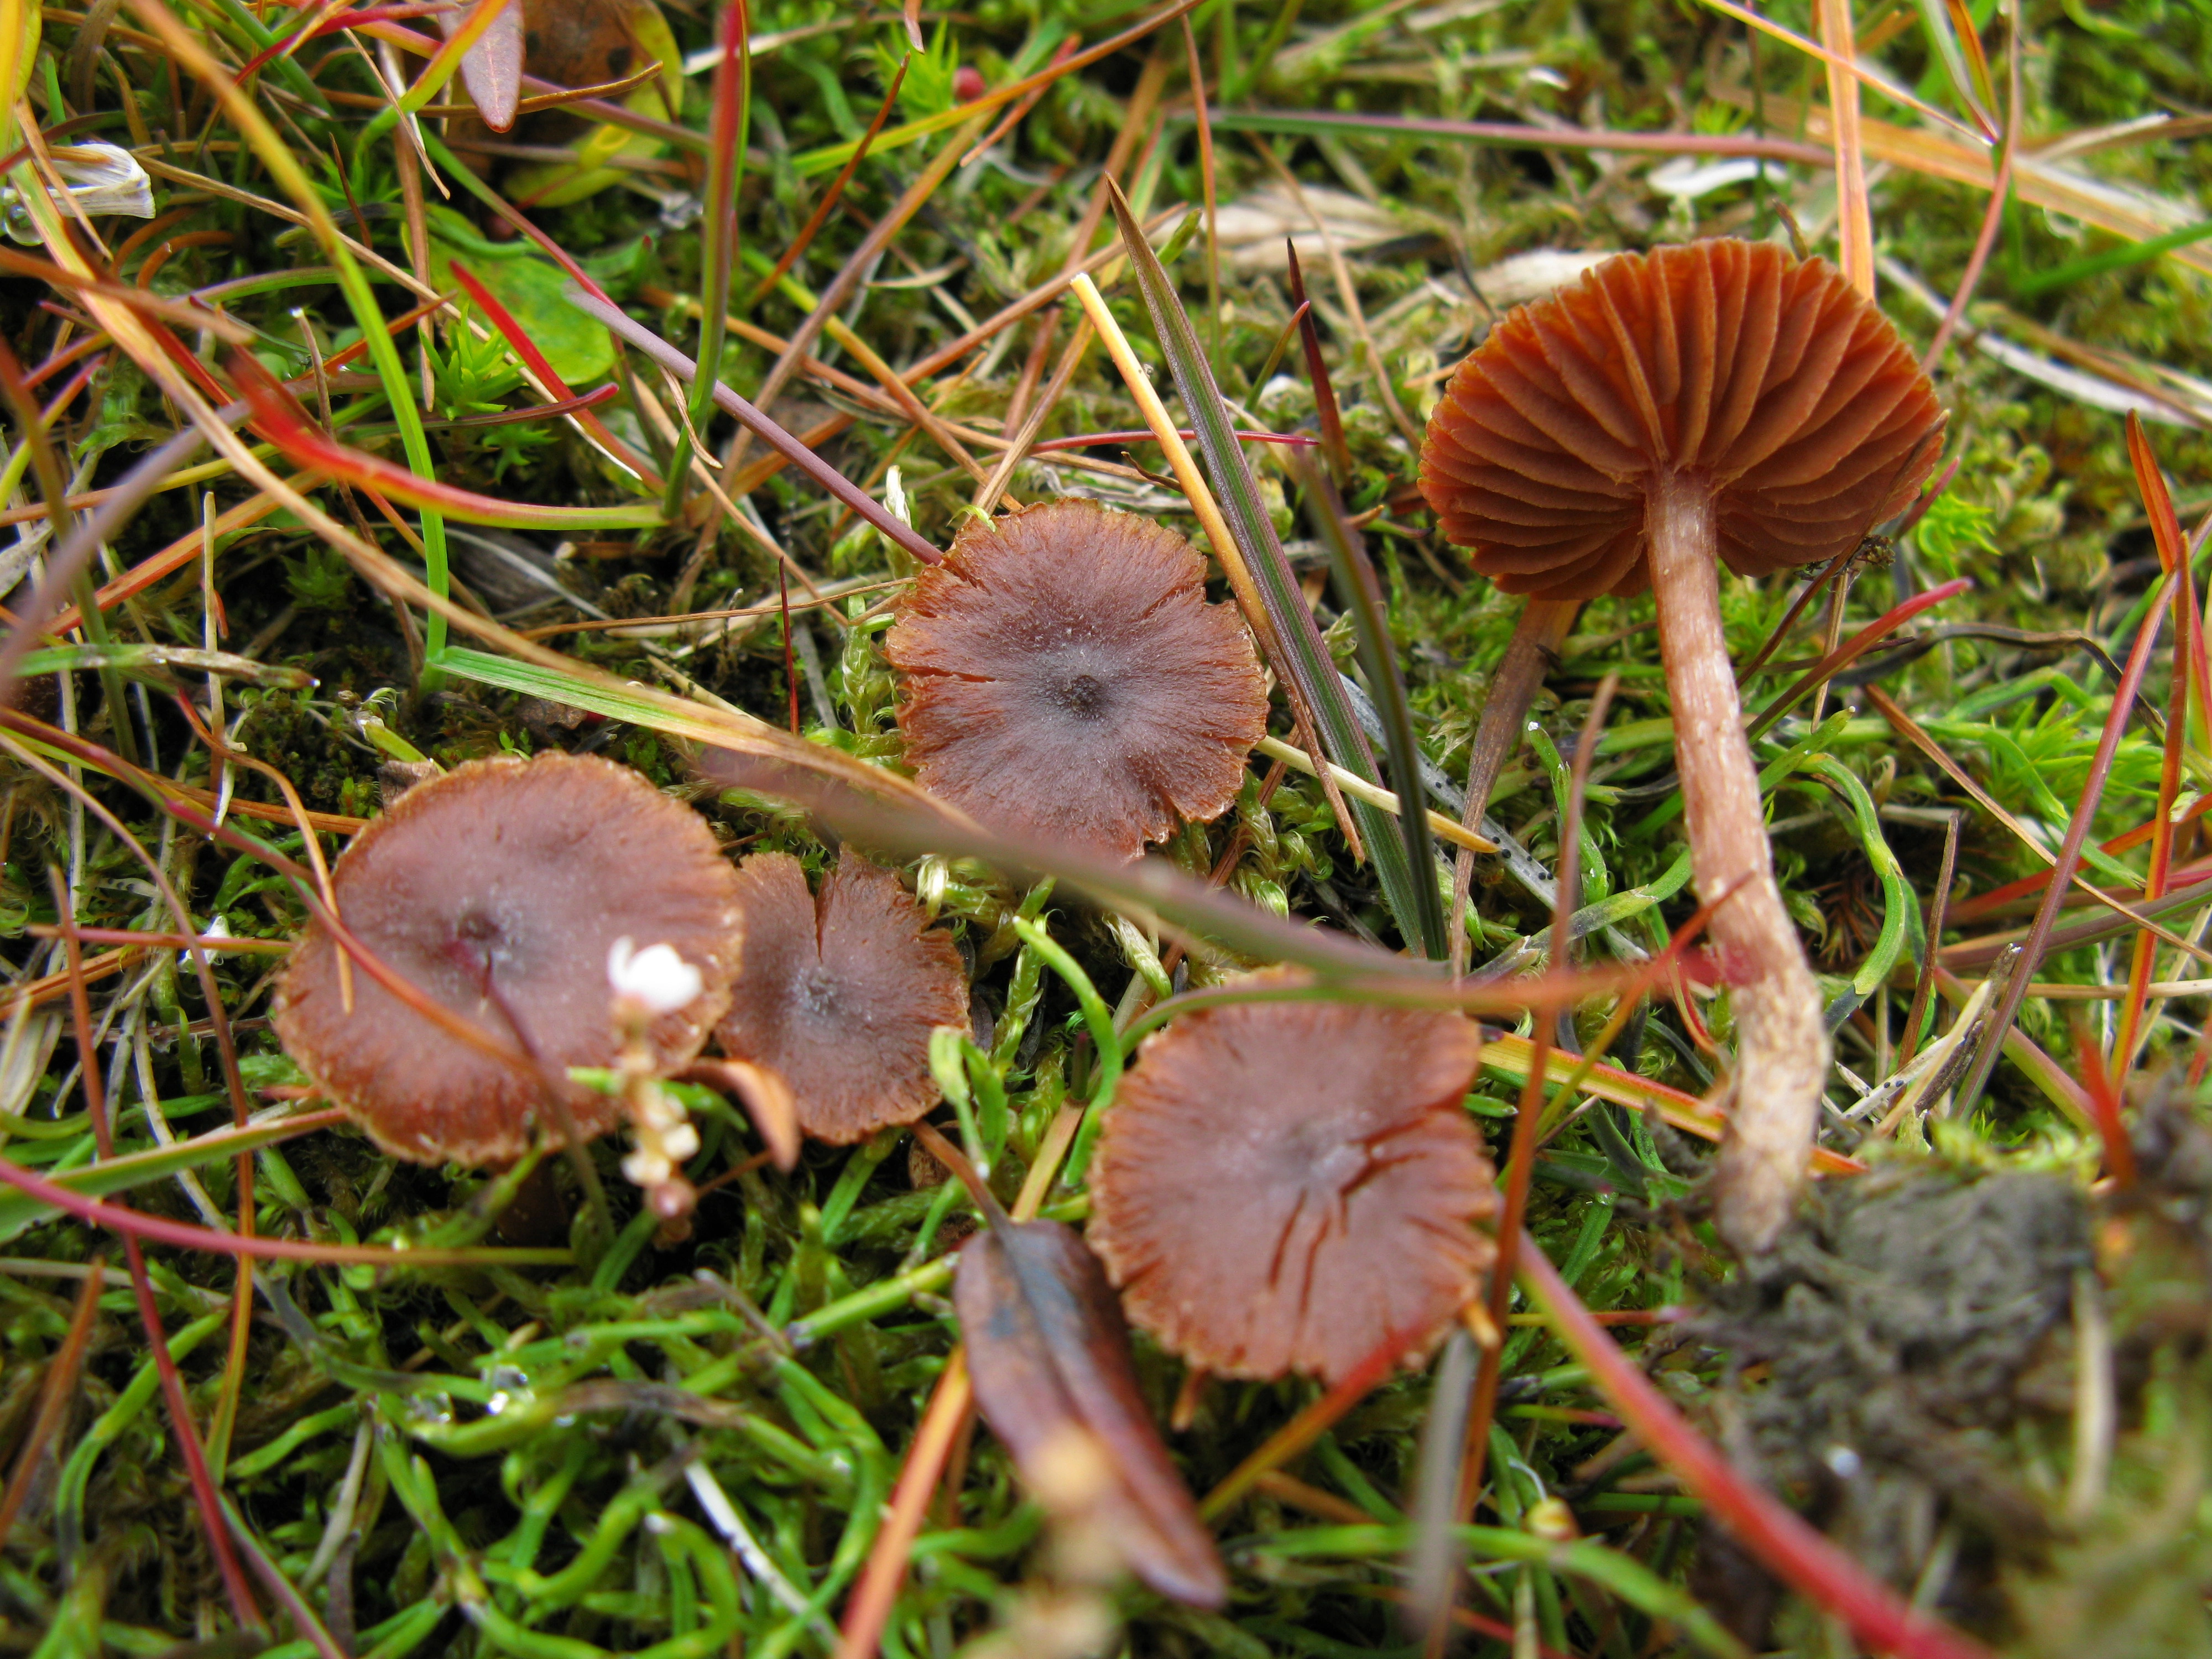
(644, 1168)
(655, 977)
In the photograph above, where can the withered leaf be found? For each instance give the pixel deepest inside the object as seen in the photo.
(1048, 1353)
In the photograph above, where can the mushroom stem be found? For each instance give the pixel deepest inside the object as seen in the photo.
(1782, 1042)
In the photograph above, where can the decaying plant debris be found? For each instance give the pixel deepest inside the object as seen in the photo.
(357, 441)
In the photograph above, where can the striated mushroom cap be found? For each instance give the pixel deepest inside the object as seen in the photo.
(1282, 1187)
(498, 891)
(1771, 375)
(1066, 677)
(839, 995)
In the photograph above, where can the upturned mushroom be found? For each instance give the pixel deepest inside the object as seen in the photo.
(1064, 677)
(840, 993)
(1289, 1186)
(499, 891)
(1719, 401)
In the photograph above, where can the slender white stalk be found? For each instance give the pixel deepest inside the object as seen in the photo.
(1782, 1044)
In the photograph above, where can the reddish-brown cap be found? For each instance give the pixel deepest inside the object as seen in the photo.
(498, 891)
(1286, 1186)
(1771, 375)
(839, 993)
(1066, 677)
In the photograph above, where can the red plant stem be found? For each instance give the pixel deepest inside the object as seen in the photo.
(2103, 1094)
(2189, 675)
(1309, 1425)
(133, 1223)
(2069, 854)
(1784, 1542)
(91, 1081)
(1782, 1044)
(61, 1378)
(870, 1607)
(2000, 195)
(820, 217)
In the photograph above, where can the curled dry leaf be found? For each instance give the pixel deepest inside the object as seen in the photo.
(1048, 1354)
(1065, 677)
(498, 891)
(838, 995)
(1279, 1187)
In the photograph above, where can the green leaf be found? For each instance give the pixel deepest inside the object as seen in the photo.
(579, 348)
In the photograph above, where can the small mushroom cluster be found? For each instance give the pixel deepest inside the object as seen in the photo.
(509, 920)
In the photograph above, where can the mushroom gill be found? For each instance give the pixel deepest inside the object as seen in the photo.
(1287, 1185)
(1065, 677)
(1721, 401)
(498, 891)
(840, 993)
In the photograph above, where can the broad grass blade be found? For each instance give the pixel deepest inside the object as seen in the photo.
(1301, 659)
(1360, 595)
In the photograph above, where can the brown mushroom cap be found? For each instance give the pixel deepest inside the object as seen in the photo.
(1772, 376)
(1065, 677)
(498, 891)
(839, 993)
(1285, 1186)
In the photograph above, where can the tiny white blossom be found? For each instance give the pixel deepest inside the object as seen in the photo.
(680, 1142)
(646, 1169)
(655, 977)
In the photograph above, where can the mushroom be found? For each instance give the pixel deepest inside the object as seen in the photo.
(1720, 400)
(840, 993)
(1288, 1186)
(500, 891)
(1065, 677)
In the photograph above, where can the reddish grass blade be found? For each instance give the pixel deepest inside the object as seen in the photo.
(92, 1083)
(1784, 1541)
(517, 338)
(2172, 544)
(870, 1607)
(2105, 1101)
(132, 1224)
(751, 418)
(1325, 409)
(1984, 904)
(1308, 1426)
(2191, 675)
(820, 217)
(62, 1371)
(1853, 648)
(730, 113)
(281, 420)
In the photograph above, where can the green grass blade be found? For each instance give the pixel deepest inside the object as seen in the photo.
(19, 1210)
(1357, 592)
(1303, 661)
